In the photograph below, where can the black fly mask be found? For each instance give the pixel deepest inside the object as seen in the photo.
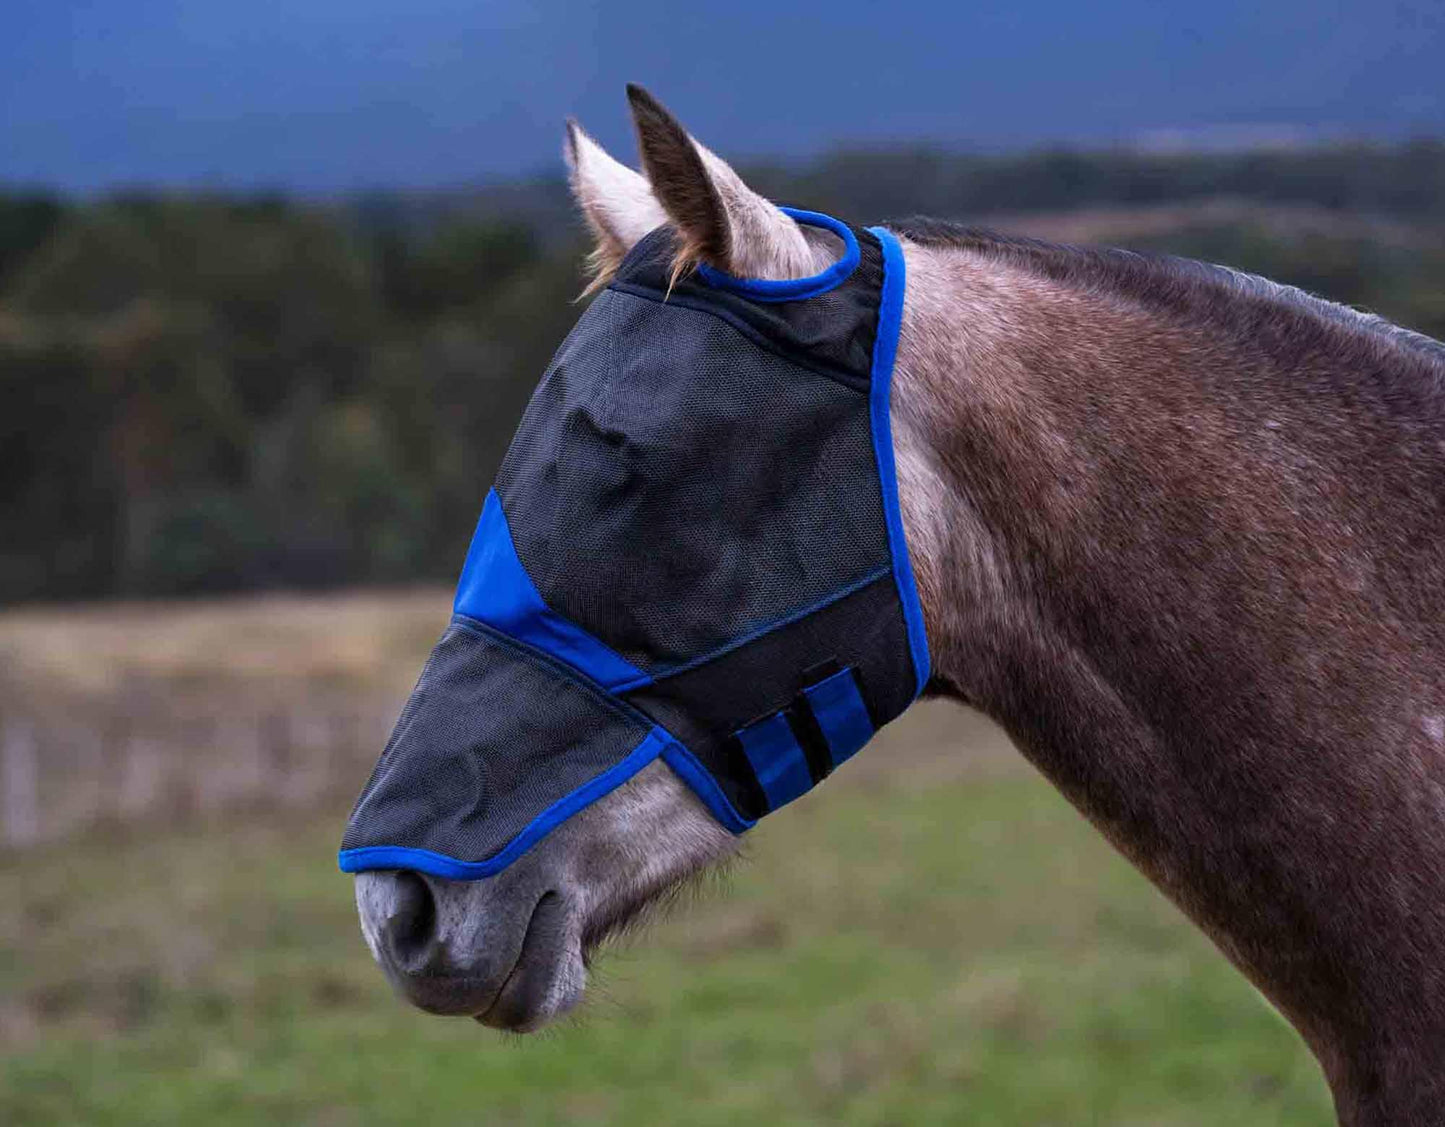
(692, 552)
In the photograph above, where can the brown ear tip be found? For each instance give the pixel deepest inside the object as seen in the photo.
(645, 104)
(569, 140)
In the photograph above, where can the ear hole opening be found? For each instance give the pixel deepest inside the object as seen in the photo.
(827, 247)
(796, 289)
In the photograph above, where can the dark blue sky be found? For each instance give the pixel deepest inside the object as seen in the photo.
(333, 94)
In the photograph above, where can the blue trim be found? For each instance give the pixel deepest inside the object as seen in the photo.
(753, 635)
(794, 289)
(885, 351)
(777, 759)
(695, 775)
(839, 709)
(496, 589)
(440, 865)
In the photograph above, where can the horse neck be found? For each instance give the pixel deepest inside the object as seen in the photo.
(1209, 627)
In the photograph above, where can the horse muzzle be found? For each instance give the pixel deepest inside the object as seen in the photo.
(505, 954)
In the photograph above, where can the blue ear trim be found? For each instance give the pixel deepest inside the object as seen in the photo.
(794, 289)
(885, 351)
(496, 589)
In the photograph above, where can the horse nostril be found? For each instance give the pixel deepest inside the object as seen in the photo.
(411, 928)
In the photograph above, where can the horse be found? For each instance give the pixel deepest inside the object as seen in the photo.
(1178, 530)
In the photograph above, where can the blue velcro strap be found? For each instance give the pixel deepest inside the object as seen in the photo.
(777, 760)
(839, 709)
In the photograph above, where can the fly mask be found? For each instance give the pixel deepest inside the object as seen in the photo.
(693, 551)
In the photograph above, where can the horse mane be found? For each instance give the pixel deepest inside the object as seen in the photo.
(1288, 321)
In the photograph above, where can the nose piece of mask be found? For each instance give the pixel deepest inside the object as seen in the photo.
(693, 552)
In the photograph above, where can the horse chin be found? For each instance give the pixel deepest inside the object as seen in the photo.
(550, 975)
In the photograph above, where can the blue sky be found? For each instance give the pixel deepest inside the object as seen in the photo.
(321, 95)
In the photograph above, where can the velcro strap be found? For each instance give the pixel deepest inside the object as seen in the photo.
(777, 759)
(838, 707)
(793, 750)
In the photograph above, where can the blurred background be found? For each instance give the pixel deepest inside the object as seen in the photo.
(275, 284)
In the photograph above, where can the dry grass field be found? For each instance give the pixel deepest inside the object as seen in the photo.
(128, 712)
(361, 640)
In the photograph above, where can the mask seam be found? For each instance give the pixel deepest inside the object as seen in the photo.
(603, 695)
(726, 648)
(840, 376)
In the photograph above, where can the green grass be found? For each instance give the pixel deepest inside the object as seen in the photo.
(909, 945)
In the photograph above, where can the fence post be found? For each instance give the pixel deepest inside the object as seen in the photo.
(20, 770)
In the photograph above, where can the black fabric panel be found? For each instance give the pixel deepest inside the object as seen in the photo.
(674, 488)
(704, 706)
(835, 329)
(490, 737)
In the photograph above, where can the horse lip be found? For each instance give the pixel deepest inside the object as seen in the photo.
(437, 985)
(526, 1000)
(484, 1017)
(438, 995)
(445, 995)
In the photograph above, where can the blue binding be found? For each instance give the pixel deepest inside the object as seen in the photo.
(440, 865)
(885, 351)
(696, 776)
(794, 289)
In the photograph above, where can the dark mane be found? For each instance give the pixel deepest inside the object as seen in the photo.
(1227, 300)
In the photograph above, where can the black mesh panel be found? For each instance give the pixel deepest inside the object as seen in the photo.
(490, 737)
(673, 487)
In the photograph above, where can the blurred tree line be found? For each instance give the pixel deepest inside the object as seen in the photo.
(205, 393)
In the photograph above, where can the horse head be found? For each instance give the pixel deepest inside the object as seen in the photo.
(747, 627)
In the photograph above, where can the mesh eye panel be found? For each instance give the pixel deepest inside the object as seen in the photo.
(655, 491)
(490, 737)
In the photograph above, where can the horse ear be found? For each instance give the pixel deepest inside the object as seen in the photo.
(720, 220)
(616, 202)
